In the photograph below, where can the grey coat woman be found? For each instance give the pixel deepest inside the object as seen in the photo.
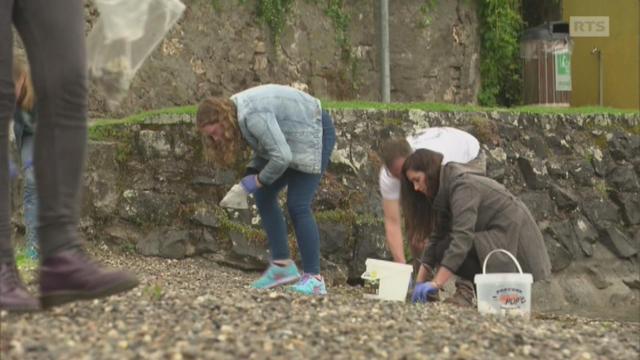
(473, 215)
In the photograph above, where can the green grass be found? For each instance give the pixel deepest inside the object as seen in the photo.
(26, 266)
(153, 292)
(364, 105)
(103, 128)
(573, 110)
(141, 117)
(438, 107)
(23, 262)
(98, 127)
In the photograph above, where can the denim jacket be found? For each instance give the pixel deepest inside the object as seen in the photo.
(284, 128)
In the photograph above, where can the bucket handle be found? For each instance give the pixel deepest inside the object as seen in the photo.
(484, 266)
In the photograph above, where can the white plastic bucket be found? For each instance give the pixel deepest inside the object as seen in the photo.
(393, 279)
(504, 293)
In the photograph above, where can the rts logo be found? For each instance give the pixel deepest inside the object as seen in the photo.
(589, 26)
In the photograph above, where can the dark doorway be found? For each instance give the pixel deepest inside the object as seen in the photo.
(536, 12)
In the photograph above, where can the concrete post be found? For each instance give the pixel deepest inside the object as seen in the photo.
(385, 77)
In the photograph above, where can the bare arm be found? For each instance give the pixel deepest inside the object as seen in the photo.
(423, 274)
(442, 276)
(393, 229)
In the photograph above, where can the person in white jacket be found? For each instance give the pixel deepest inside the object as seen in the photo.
(455, 145)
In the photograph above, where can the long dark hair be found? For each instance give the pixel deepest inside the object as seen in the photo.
(417, 207)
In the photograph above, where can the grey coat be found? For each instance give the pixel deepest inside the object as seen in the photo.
(474, 210)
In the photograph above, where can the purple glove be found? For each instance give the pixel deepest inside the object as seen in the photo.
(422, 291)
(250, 183)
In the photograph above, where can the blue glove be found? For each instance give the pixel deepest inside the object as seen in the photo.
(422, 291)
(250, 183)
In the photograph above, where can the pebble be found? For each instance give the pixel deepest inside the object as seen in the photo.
(209, 312)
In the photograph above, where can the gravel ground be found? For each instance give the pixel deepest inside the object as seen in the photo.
(196, 309)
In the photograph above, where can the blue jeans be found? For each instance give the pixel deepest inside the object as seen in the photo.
(30, 196)
(302, 188)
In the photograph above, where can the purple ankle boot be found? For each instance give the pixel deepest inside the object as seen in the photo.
(14, 296)
(71, 275)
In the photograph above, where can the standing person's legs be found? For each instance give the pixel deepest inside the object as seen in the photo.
(53, 34)
(282, 270)
(7, 103)
(272, 218)
(302, 190)
(13, 294)
(328, 140)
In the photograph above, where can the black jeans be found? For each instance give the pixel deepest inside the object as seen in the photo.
(469, 267)
(53, 34)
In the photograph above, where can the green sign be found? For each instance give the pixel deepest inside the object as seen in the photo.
(563, 70)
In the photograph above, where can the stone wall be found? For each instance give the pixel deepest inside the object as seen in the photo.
(148, 189)
(224, 49)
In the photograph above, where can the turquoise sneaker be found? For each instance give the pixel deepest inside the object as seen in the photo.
(309, 285)
(277, 275)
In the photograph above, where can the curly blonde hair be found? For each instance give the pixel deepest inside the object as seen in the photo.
(227, 152)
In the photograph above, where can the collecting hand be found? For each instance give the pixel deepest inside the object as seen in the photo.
(250, 183)
(422, 291)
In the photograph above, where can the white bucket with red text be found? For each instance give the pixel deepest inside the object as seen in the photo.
(504, 293)
(387, 280)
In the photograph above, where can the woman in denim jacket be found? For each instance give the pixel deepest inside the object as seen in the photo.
(292, 140)
(24, 130)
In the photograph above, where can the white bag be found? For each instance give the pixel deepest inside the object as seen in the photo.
(123, 19)
(126, 32)
(236, 198)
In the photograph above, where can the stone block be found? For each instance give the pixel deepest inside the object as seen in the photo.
(623, 178)
(600, 211)
(540, 204)
(586, 234)
(559, 256)
(167, 243)
(629, 205)
(582, 172)
(565, 199)
(533, 173)
(564, 233)
(618, 242)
